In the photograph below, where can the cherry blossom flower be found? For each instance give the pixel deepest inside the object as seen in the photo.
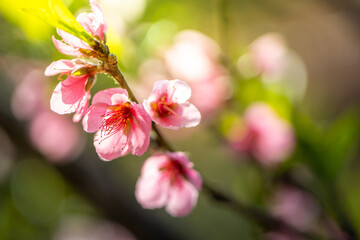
(263, 134)
(296, 207)
(168, 105)
(122, 126)
(168, 179)
(71, 94)
(269, 53)
(93, 23)
(55, 137)
(194, 58)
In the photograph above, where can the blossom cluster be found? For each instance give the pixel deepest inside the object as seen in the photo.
(123, 125)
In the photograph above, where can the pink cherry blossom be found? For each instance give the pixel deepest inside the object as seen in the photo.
(168, 105)
(296, 207)
(94, 23)
(69, 95)
(122, 126)
(55, 137)
(194, 58)
(263, 134)
(268, 53)
(28, 97)
(169, 180)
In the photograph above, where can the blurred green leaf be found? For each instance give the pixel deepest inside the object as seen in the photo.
(60, 17)
(327, 150)
(338, 142)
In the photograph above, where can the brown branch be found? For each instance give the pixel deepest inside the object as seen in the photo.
(263, 219)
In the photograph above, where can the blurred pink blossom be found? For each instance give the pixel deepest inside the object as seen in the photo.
(28, 97)
(122, 126)
(168, 105)
(268, 53)
(263, 134)
(169, 180)
(71, 94)
(194, 58)
(56, 137)
(295, 207)
(94, 23)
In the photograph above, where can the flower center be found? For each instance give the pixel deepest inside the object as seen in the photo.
(163, 107)
(117, 118)
(174, 171)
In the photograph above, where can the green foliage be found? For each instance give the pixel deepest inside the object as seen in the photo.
(327, 150)
(60, 17)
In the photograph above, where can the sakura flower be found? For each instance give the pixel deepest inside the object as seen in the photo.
(269, 53)
(263, 134)
(169, 180)
(94, 23)
(122, 126)
(55, 137)
(169, 107)
(195, 58)
(296, 207)
(70, 95)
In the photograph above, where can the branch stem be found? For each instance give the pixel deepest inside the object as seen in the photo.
(262, 218)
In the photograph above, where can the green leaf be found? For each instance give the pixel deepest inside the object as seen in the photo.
(60, 17)
(339, 141)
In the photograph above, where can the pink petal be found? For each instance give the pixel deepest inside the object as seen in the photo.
(66, 49)
(182, 199)
(179, 91)
(140, 130)
(61, 66)
(85, 20)
(187, 115)
(68, 94)
(111, 147)
(82, 107)
(104, 96)
(72, 40)
(152, 191)
(194, 177)
(94, 117)
(153, 164)
(99, 22)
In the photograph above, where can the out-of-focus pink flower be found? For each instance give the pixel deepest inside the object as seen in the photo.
(169, 180)
(295, 207)
(94, 23)
(168, 105)
(54, 136)
(28, 97)
(194, 58)
(268, 53)
(263, 134)
(122, 126)
(69, 95)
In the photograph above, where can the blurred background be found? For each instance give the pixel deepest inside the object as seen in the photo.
(277, 83)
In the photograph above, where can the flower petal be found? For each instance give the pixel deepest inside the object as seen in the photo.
(109, 147)
(182, 199)
(152, 191)
(72, 40)
(94, 117)
(67, 94)
(66, 49)
(61, 66)
(105, 96)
